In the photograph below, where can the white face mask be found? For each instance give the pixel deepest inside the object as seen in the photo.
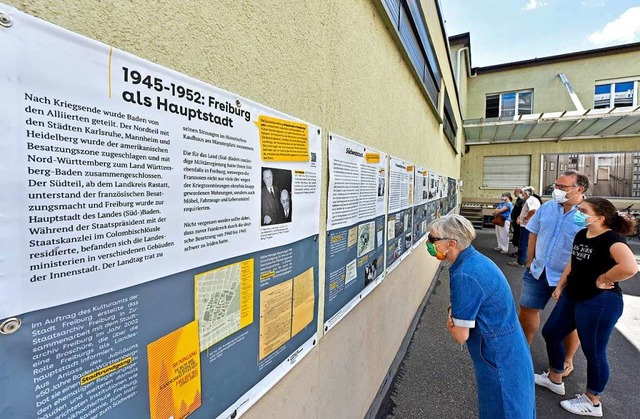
(559, 196)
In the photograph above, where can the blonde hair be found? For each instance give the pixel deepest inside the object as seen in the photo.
(454, 227)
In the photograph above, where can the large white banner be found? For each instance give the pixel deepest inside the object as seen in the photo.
(399, 213)
(115, 171)
(355, 225)
(357, 182)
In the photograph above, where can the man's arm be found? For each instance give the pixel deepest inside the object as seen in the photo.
(562, 283)
(531, 250)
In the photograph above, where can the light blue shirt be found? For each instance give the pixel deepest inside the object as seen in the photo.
(555, 231)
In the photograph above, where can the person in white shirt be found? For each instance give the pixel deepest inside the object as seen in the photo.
(529, 208)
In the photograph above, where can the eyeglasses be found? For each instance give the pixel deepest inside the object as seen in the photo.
(433, 239)
(563, 187)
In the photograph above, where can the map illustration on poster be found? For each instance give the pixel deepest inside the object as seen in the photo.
(159, 235)
(399, 223)
(355, 225)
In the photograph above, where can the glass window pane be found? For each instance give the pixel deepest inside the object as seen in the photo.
(492, 108)
(508, 104)
(623, 94)
(602, 97)
(610, 174)
(524, 103)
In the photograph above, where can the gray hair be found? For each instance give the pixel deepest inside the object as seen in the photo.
(454, 227)
(528, 190)
(581, 178)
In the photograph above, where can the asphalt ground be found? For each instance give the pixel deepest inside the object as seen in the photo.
(436, 380)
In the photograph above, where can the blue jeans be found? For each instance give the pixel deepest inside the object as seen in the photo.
(594, 318)
(523, 245)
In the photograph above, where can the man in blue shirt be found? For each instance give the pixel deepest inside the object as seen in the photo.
(552, 231)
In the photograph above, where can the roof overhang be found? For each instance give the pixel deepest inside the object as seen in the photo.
(555, 126)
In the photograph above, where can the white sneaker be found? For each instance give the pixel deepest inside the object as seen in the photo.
(543, 380)
(582, 406)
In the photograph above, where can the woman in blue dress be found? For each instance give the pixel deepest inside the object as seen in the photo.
(483, 314)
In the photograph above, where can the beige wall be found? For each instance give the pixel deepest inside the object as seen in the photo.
(333, 63)
(472, 163)
(549, 94)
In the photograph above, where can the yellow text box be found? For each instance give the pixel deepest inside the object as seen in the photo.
(282, 140)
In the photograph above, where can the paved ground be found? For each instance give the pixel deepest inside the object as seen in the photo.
(436, 380)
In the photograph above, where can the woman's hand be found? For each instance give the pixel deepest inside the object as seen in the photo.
(449, 319)
(557, 293)
(603, 283)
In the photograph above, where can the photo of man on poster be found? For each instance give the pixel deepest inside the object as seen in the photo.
(276, 196)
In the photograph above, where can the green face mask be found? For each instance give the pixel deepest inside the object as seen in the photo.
(433, 251)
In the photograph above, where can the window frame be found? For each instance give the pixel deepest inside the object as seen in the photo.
(500, 95)
(449, 124)
(612, 82)
(622, 175)
(430, 76)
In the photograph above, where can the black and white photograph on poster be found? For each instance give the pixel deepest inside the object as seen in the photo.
(398, 249)
(443, 207)
(382, 179)
(433, 186)
(419, 223)
(452, 193)
(276, 200)
(399, 224)
(432, 212)
(371, 269)
(421, 180)
(356, 203)
(442, 187)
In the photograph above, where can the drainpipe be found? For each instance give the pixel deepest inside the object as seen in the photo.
(458, 66)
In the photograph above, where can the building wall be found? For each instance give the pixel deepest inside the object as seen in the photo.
(549, 94)
(472, 164)
(335, 64)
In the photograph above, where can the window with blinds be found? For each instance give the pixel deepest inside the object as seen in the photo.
(615, 95)
(506, 172)
(450, 127)
(407, 19)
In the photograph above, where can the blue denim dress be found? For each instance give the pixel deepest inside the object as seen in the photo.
(481, 300)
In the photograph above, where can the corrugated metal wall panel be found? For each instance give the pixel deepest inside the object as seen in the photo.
(506, 172)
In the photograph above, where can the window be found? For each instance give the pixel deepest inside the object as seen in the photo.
(407, 19)
(624, 94)
(450, 127)
(509, 104)
(610, 174)
(506, 172)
